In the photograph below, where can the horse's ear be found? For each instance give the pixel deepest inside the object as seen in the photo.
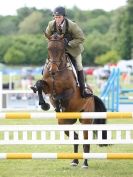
(47, 36)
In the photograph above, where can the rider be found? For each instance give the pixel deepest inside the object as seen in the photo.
(73, 40)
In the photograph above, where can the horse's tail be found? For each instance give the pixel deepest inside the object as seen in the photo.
(100, 107)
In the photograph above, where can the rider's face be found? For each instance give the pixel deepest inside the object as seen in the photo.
(59, 19)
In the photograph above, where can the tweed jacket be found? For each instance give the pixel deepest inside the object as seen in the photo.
(75, 46)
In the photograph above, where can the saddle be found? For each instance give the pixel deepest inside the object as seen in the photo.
(75, 70)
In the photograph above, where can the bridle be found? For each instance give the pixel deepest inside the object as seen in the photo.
(60, 64)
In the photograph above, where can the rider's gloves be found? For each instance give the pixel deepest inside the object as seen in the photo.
(66, 42)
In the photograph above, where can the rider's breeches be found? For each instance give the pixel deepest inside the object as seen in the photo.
(79, 62)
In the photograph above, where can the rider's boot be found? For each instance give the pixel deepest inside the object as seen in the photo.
(84, 93)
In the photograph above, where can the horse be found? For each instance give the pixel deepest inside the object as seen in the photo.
(60, 84)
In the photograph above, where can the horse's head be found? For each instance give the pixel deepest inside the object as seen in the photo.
(56, 52)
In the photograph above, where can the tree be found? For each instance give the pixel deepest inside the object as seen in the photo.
(101, 24)
(8, 25)
(24, 12)
(14, 56)
(125, 32)
(27, 50)
(5, 44)
(109, 57)
(94, 45)
(31, 24)
(104, 32)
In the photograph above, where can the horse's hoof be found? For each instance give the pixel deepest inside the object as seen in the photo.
(34, 89)
(75, 162)
(45, 107)
(84, 166)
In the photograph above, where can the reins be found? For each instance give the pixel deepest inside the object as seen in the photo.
(68, 65)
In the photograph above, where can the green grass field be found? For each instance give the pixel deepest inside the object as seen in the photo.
(56, 168)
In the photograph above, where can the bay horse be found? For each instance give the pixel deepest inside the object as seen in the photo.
(60, 83)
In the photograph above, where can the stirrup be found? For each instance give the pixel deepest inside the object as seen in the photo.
(86, 94)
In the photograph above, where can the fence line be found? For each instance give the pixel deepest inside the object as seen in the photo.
(54, 134)
(67, 115)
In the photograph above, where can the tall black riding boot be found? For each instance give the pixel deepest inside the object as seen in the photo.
(81, 81)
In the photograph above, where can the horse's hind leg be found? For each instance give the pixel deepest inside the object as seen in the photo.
(75, 161)
(86, 148)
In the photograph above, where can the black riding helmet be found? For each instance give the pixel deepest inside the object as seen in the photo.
(59, 11)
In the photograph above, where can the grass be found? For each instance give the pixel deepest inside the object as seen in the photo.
(57, 168)
(34, 168)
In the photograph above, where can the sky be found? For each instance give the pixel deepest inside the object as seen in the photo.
(8, 7)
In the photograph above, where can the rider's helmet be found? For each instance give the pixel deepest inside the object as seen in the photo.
(59, 11)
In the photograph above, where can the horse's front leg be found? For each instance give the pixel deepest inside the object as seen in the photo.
(86, 148)
(39, 86)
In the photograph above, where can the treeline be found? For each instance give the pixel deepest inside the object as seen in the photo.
(109, 35)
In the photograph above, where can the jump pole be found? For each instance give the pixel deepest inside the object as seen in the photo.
(66, 115)
(66, 156)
